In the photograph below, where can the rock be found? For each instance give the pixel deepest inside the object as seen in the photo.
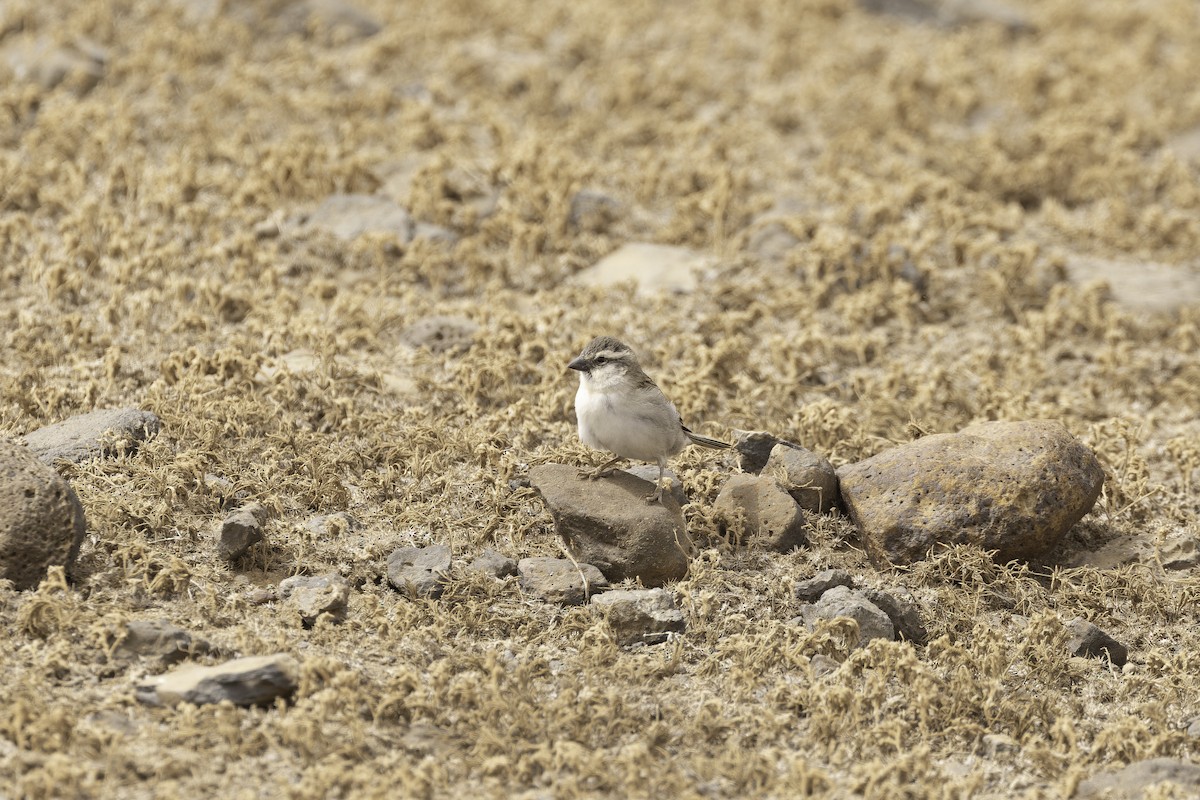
(314, 595)
(808, 477)
(557, 580)
(240, 531)
(98, 434)
(822, 665)
(330, 18)
(244, 682)
(754, 449)
(640, 615)
(79, 67)
(902, 609)
(1144, 286)
(651, 268)
(996, 744)
(1180, 551)
(841, 601)
(331, 526)
(348, 216)
(953, 13)
(609, 524)
(438, 234)
(593, 212)
(762, 511)
(158, 639)
(440, 334)
(489, 562)
(420, 571)
(810, 590)
(1132, 782)
(1086, 640)
(1012, 487)
(649, 472)
(41, 519)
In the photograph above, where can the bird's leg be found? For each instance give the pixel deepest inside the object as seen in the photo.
(601, 471)
(656, 495)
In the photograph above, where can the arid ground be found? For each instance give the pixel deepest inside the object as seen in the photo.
(913, 221)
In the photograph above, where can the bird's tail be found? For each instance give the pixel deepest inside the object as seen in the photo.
(704, 441)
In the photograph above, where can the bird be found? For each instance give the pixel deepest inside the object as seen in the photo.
(622, 410)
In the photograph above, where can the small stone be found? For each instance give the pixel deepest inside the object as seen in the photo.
(822, 665)
(420, 571)
(97, 434)
(312, 596)
(240, 531)
(640, 615)
(440, 334)
(158, 639)
(608, 523)
(808, 477)
(841, 601)
(348, 216)
(1132, 782)
(810, 590)
(593, 212)
(262, 595)
(649, 472)
(995, 744)
(902, 609)
(492, 563)
(1086, 640)
(754, 449)
(332, 18)
(1015, 488)
(558, 580)
(652, 268)
(438, 234)
(331, 526)
(257, 680)
(41, 519)
(765, 513)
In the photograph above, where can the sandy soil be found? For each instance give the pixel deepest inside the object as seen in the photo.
(906, 218)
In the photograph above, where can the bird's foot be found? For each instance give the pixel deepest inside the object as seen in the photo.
(655, 496)
(593, 474)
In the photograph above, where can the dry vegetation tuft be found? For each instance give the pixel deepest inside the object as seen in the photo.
(937, 183)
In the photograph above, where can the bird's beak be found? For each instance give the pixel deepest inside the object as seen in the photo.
(578, 363)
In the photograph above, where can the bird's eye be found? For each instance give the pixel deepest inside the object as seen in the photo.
(601, 359)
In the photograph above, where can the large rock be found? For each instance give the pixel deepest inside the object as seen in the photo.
(244, 682)
(558, 580)
(1132, 782)
(808, 477)
(97, 434)
(640, 615)
(762, 510)
(41, 519)
(609, 524)
(1012, 487)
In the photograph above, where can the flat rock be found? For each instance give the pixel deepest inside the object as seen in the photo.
(348, 216)
(608, 523)
(420, 571)
(842, 601)
(649, 472)
(157, 639)
(97, 434)
(240, 530)
(1087, 640)
(1143, 286)
(651, 268)
(1132, 782)
(440, 333)
(313, 595)
(807, 476)
(558, 580)
(1011, 487)
(640, 615)
(41, 519)
(759, 510)
(902, 609)
(257, 680)
(811, 589)
(492, 563)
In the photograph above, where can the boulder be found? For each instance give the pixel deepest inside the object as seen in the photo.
(41, 519)
(759, 509)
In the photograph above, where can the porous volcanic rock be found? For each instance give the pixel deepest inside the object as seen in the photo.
(608, 523)
(244, 682)
(769, 517)
(1012, 487)
(97, 434)
(558, 580)
(640, 615)
(41, 520)
(808, 477)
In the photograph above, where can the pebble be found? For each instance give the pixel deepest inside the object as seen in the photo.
(42, 523)
(558, 580)
(810, 590)
(241, 530)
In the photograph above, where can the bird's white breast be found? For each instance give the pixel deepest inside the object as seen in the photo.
(626, 422)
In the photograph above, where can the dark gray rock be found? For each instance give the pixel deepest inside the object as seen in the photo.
(640, 615)
(41, 519)
(758, 512)
(841, 601)
(557, 580)
(902, 609)
(609, 524)
(1131, 782)
(240, 531)
(97, 434)
(1012, 487)
(754, 449)
(492, 563)
(420, 571)
(258, 680)
(810, 590)
(157, 639)
(1086, 640)
(313, 595)
(808, 477)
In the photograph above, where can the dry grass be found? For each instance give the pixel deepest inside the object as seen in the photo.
(132, 273)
